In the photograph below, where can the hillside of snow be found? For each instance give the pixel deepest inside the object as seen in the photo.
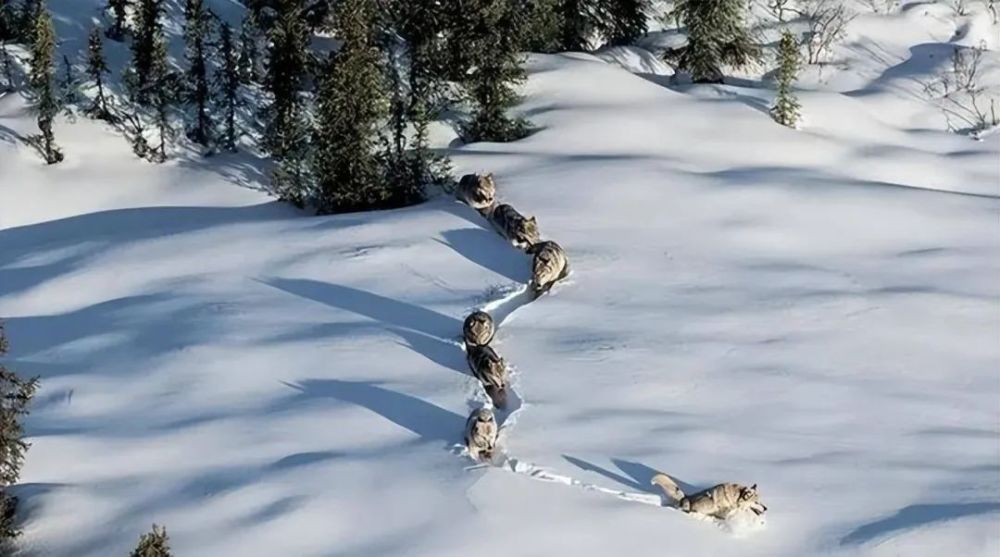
(816, 311)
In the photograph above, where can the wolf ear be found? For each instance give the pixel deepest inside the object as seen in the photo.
(753, 487)
(532, 220)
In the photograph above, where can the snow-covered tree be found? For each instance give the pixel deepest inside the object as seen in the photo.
(717, 36)
(15, 397)
(153, 544)
(786, 106)
(287, 132)
(97, 68)
(351, 106)
(227, 87)
(197, 86)
(118, 11)
(40, 80)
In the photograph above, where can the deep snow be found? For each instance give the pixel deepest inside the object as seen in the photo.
(812, 310)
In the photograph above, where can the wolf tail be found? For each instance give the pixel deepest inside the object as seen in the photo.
(669, 486)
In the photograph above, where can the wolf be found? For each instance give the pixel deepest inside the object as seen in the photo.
(478, 329)
(491, 370)
(549, 266)
(481, 434)
(521, 230)
(721, 501)
(478, 192)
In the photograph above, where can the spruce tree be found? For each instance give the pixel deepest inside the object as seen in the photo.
(541, 25)
(286, 135)
(227, 87)
(165, 89)
(198, 90)
(622, 21)
(249, 57)
(578, 18)
(27, 19)
(118, 10)
(68, 86)
(717, 37)
(15, 397)
(786, 106)
(351, 105)
(7, 79)
(97, 68)
(153, 544)
(40, 80)
(8, 21)
(147, 35)
(494, 49)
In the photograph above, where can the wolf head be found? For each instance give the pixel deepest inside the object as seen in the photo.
(498, 395)
(750, 498)
(485, 415)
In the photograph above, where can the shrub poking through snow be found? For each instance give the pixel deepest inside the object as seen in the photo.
(15, 397)
(154, 543)
(786, 106)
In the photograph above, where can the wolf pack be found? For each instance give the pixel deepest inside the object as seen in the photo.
(549, 266)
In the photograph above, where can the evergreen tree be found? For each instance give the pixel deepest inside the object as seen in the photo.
(227, 87)
(197, 87)
(97, 68)
(786, 106)
(27, 19)
(148, 34)
(7, 79)
(153, 544)
(717, 36)
(494, 49)
(68, 86)
(15, 397)
(40, 80)
(165, 89)
(249, 57)
(351, 105)
(622, 21)
(8, 21)
(119, 14)
(541, 24)
(578, 19)
(286, 135)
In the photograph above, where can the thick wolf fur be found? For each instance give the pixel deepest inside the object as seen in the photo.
(521, 230)
(549, 266)
(491, 370)
(481, 434)
(478, 329)
(721, 501)
(478, 192)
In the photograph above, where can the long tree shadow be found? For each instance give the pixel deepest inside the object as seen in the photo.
(915, 516)
(430, 422)
(490, 251)
(380, 308)
(636, 476)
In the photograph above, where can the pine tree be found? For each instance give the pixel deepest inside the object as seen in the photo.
(68, 86)
(165, 89)
(97, 68)
(8, 21)
(494, 49)
(351, 104)
(717, 37)
(119, 15)
(541, 24)
(148, 34)
(249, 56)
(197, 87)
(15, 397)
(153, 544)
(287, 132)
(8, 82)
(577, 24)
(27, 19)
(622, 21)
(40, 81)
(786, 106)
(227, 87)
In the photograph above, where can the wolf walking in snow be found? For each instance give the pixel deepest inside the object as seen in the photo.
(491, 370)
(549, 266)
(521, 230)
(721, 501)
(478, 192)
(481, 434)
(478, 329)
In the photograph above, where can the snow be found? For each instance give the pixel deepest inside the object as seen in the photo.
(812, 310)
